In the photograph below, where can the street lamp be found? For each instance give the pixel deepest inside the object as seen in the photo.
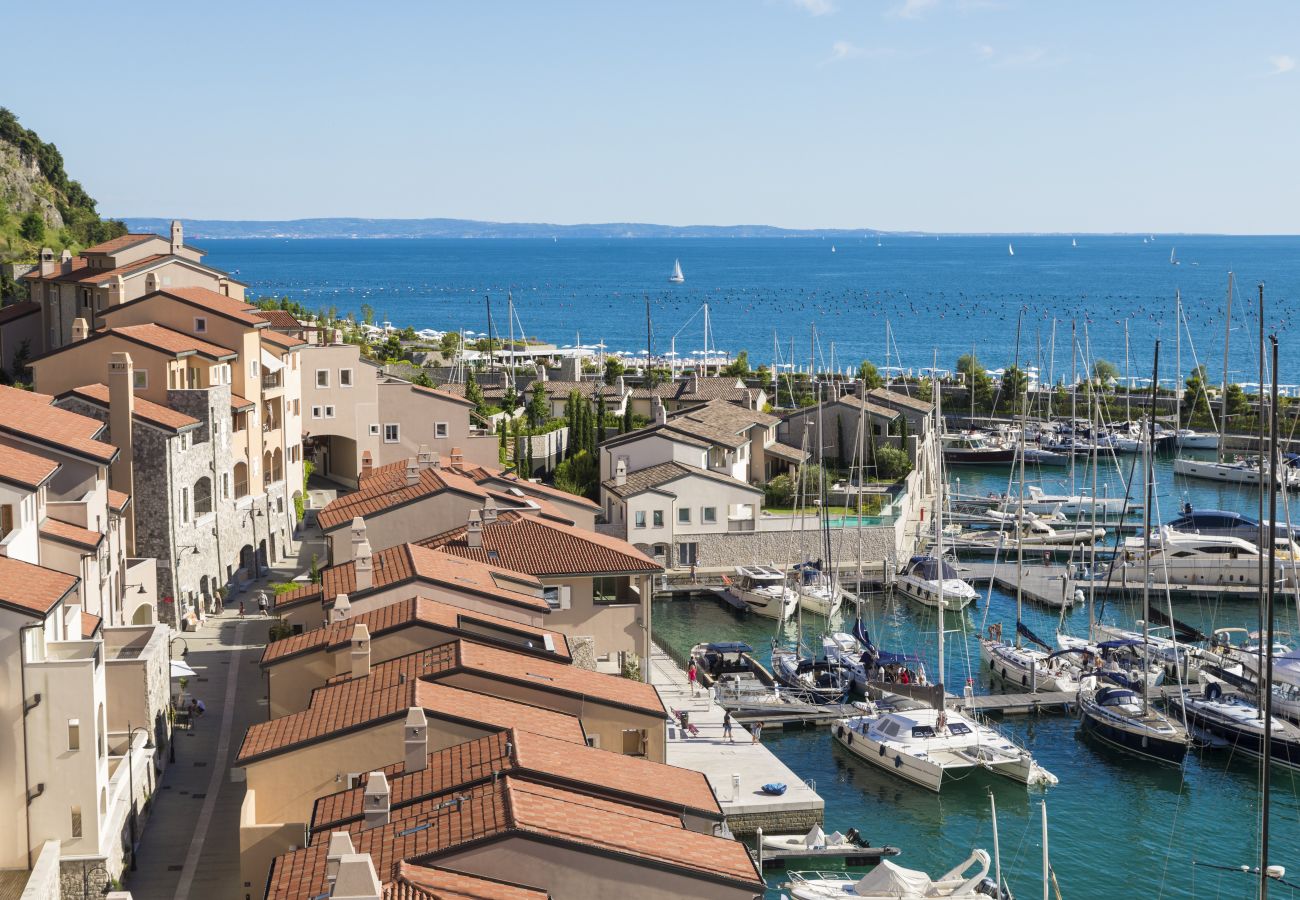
(130, 773)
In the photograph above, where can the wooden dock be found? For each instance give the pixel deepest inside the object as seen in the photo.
(1008, 704)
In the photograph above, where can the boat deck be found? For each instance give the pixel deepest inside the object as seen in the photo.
(1047, 585)
(735, 770)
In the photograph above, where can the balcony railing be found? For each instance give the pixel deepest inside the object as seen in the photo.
(272, 381)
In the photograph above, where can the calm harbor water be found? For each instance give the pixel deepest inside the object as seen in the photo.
(1119, 827)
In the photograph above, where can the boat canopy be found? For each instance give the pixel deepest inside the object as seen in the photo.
(928, 567)
(890, 880)
(1120, 643)
(1116, 696)
(730, 647)
(1028, 635)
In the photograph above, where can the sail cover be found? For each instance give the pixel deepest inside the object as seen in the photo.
(1028, 635)
(889, 880)
(1182, 631)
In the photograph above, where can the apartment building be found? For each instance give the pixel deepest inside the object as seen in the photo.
(694, 390)
(829, 432)
(116, 272)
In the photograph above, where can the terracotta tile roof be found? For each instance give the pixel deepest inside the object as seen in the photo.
(239, 404)
(412, 612)
(359, 703)
(628, 779)
(33, 417)
(698, 390)
(715, 422)
(83, 273)
(169, 341)
(544, 548)
(411, 562)
(25, 470)
(89, 625)
(280, 318)
(887, 396)
(213, 301)
(32, 589)
(16, 311)
(63, 533)
(442, 393)
(412, 882)
(485, 476)
(118, 500)
(282, 341)
(385, 488)
(145, 410)
(874, 409)
(519, 808)
(122, 242)
(654, 477)
(591, 389)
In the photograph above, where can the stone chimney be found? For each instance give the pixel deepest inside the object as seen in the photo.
(65, 262)
(694, 386)
(620, 385)
(376, 800)
(489, 510)
(117, 291)
(121, 418)
(338, 336)
(415, 741)
(424, 457)
(80, 329)
(660, 414)
(364, 565)
(178, 236)
(457, 457)
(367, 462)
(412, 472)
(358, 529)
(356, 879)
(342, 608)
(340, 845)
(474, 530)
(620, 472)
(47, 262)
(360, 650)
(570, 369)
(541, 372)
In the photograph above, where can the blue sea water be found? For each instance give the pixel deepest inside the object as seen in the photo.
(1120, 828)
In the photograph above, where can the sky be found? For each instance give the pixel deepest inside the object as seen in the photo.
(937, 115)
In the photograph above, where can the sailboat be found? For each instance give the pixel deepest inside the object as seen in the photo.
(1011, 251)
(1173, 258)
(832, 248)
(928, 745)
(677, 277)
(1074, 242)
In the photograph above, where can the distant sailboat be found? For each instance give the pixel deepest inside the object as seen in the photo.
(1074, 242)
(1011, 251)
(1144, 240)
(1173, 259)
(677, 277)
(877, 242)
(832, 248)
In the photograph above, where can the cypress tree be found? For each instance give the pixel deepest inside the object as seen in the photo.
(627, 418)
(600, 420)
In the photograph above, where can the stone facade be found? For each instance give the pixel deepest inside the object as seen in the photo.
(787, 821)
(582, 650)
(730, 549)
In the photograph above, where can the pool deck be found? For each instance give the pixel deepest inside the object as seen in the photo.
(745, 806)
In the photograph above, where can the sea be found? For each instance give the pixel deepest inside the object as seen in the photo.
(1118, 826)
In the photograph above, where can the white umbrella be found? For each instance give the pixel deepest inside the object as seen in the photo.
(180, 669)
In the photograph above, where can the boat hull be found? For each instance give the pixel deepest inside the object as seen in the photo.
(1102, 729)
(1284, 752)
(926, 595)
(988, 457)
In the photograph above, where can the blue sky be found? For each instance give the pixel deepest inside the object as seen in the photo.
(946, 115)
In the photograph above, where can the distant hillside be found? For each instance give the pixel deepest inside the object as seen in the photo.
(40, 206)
(469, 228)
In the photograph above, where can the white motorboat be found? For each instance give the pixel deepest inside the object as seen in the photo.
(928, 746)
(928, 580)
(1032, 532)
(818, 840)
(677, 277)
(763, 590)
(819, 592)
(888, 881)
(1188, 439)
(1239, 470)
(1177, 557)
(1074, 506)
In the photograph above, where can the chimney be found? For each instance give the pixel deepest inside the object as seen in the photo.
(356, 879)
(360, 650)
(342, 608)
(223, 285)
(80, 329)
(121, 418)
(367, 462)
(474, 531)
(117, 291)
(424, 457)
(358, 529)
(47, 262)
(620, 472)
(375, 802)
(416, 741)
(457, 457)
(489, 510)
(178, 236)
(65, 262)
(412, 472)
(338, 336)
(620, 385)
(541, 372)
(340, 845)
(365, 567)
(695, 383)
(660, 414)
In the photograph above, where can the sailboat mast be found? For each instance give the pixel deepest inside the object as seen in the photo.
(1178, 362)
(1223, 392)
(938, 526)
(491, 356)
(1148, 476)
(1020, 505)
(1047, 864)
(1263, 470)
(649, 379)
(997, 852)
(1128, 382)
(1093, 420)
(1266, 683)
(1074, 396)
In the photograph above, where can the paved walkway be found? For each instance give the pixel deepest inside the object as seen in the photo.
(723, 761)
(190, 843)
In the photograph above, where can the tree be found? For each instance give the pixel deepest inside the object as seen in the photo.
(510, 399)
(601, 412)
(869, 375)
(450, 343)
(627, 418)
(1105, 372)
(367, 314)
(503, 450)
(613, 368)
(1196, 402)
(1238, 406)
(539, 411)
(738, 367)
(977, 380)
(892, 463)
(32, 227)
(1015, 384)
(474, 393)
(408, 334)
(422, 378)
(392, 347)
(579, 475)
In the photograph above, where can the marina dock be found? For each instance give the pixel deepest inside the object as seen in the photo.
(736, 770)
(1046, 585)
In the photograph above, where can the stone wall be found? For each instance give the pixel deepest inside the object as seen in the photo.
(583, 652)
(788, 821)
(781, 547)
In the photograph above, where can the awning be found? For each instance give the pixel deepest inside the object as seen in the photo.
(271, 362)
(181, 670)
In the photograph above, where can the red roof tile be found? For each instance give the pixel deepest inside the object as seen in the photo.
(53, 529)
(15, 311)
(145, 410)
(211, 300)
(33, 417)
(122, 242)
(168, 340)
(412, 882)
(89, 625)
(414, 612)
(283, 341)
(280, 318)
(82, 273)
(117, 500)
(32, 589)
(239, 404)
(545, 548)
(23, 469)
(386, 488)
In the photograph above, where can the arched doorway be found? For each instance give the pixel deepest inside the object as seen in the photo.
(247, 562)
(143, 615)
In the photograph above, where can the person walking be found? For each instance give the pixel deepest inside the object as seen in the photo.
(243, 601)
(726, 726)
(756, 730)
(262, 603)
(691, 676)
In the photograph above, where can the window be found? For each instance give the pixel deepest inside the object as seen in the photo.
(225, 485)
(322, 378)
(605, 589)
(241, 480)
(687, 553)
(329, 412)
(634, 742)
(315, 412)
(76, 821)
(392, 434)
(74, 734)
(185, 504)
(683, 515)
(558, 596)
(593, 740)
(440, 429)
(659, 518)
(6, 519)
(253, 368)
(640, 518)
(140, 379)
(709, 515)
(374, 431)
(345, 378)
(200, 324)
(203, 496)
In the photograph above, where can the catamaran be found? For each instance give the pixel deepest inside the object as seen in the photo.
(677, 277)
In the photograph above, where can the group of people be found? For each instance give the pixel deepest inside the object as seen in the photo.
(756, 730)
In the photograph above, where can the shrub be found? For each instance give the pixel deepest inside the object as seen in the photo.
(892, 463)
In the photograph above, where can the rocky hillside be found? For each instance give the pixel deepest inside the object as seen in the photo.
(40, 206)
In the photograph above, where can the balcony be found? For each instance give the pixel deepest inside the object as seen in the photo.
(272, 381)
